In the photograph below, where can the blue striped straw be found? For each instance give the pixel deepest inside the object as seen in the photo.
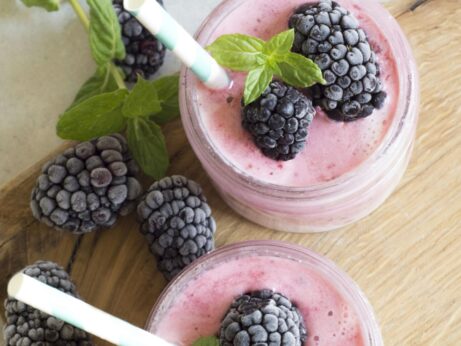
(154, 17)
(79, 314)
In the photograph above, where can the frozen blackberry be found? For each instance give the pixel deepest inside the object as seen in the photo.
(87, 186)
(28, 326)
(177, 223)
(278, 121)
(144, 53)
(262, 318)
(331, 36)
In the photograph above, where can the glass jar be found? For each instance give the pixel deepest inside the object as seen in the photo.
(213, 289)
(323, 206)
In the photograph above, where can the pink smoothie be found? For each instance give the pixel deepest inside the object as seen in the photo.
(199, 307)
(333, 148)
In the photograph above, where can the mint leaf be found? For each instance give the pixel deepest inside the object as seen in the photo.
(238, 52)
(142, 101)
(49, 5)
(257, 81)
(299, 71)
(207, 341)
(280, 44)
(168, 95)
(147, 144)
(272, 64)
(102, 81)
(97, 116)
(105, 34)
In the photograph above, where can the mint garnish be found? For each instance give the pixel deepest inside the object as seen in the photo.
(135, 111)
(142, 100)
(299, 71)
(168, 94)
(279, 45)
(207, 341)
(102, 81)
(257, 81)
(49, 5)
(97, 116)
(105, 33)
(145, 138)
(238, 52)
(262, 60)
(103, 105)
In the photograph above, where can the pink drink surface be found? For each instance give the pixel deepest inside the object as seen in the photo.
(333, 148)
(199, 307)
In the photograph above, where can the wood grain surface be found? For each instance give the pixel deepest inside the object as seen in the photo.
(406, 256)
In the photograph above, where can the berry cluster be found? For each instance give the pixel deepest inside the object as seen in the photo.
(279, 120)
(262, 318)
(177, 223)
(331, 36)
(87, 187)
(28, 326)
(144, 53)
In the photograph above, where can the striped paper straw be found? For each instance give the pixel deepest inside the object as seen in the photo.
(78, 313)
(154, 17)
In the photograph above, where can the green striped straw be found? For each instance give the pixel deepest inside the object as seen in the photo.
(155, 19)
(78, 313)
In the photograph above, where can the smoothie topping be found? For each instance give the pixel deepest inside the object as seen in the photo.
(262, 60)
(279, 121)
(262, 318)
(275, 113)
(331, 36)
(177, 223)
(26, 325)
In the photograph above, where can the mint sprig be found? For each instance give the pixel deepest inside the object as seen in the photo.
(146, 139)
(257, 81)
(264, 60)
(142, 101)
(135, 111)
(103, 105)
(48, 5)
(238, 52)
(168, 94)
(101, 82)
(97, 116)
(207, 341)
(104, 32)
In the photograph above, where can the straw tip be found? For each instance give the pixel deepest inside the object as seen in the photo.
(15, 284)
(132, 5)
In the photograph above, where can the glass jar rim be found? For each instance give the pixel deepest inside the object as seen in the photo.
(347, 287)
(408, 93)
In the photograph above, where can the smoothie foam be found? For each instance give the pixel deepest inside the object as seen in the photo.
(198, 308)
(333, 148)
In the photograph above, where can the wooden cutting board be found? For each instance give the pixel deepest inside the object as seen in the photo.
(406, 256)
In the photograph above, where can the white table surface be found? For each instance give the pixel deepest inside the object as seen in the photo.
(44, 59)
